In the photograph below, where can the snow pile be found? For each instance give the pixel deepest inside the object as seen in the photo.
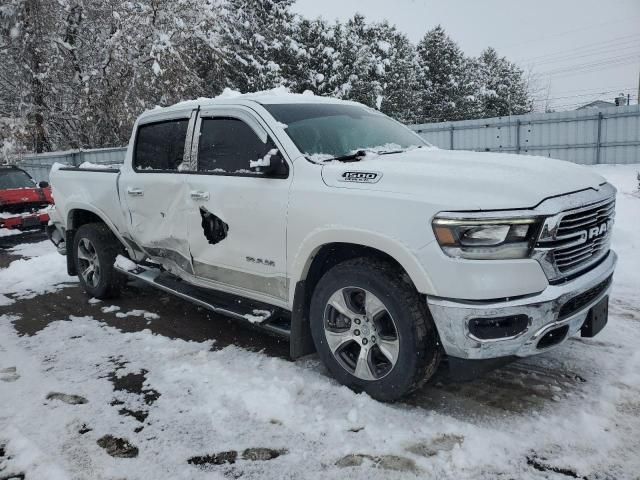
(31, 250)
(230, 94)
(264, 161)
(138, 313)
(258, 316)
(100, 166)
(44, 273)
(40, 211)
(6, 232)
(124, 263)
(626, 232)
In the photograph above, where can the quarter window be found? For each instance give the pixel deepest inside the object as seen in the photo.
(160, 146)
(227, 145)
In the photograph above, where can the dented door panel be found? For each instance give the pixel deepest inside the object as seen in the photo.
(154, 193)
(237, 236)
(237, 222)
(157, 217)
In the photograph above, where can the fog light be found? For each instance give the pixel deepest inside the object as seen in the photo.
(498, 327)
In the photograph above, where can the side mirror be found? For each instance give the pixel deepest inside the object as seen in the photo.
(43, 184)
(270, 164)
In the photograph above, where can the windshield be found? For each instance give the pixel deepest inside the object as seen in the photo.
(324, 131)
(15, 179)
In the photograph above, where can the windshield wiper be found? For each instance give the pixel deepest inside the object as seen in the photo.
(389, 152)
(357, 155)
(352, 157)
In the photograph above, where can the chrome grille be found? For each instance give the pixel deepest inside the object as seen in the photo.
(583, 236)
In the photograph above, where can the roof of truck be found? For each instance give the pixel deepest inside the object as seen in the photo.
(229, 97)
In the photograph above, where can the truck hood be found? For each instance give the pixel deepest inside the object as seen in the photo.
(461, 180)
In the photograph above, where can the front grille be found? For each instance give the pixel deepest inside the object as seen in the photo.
(586, 233)
(579, 301)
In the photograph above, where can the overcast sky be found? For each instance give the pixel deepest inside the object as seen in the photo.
(579, 50)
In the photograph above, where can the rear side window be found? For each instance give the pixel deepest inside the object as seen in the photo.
(227, 145)
(160, 146)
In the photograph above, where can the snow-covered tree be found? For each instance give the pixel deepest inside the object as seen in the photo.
(26, 66)
(400, 92)
(76, 73)
(503, 89)
(317, 56)
(256, 38)
(371, 63)
(440, 77)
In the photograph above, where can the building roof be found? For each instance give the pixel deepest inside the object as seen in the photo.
(597, 105)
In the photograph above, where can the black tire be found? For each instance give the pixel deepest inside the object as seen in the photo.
(106, 248)
(419, 352)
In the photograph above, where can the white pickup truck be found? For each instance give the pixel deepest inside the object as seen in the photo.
(332, 224)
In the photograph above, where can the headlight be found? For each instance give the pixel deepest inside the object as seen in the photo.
(486, 238)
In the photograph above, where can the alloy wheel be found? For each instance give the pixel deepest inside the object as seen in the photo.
(361, 333)
(89, 262)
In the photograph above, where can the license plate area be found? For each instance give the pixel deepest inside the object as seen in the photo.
(596, 318)
(33, 221)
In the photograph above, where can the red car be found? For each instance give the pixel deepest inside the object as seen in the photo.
(23, 204)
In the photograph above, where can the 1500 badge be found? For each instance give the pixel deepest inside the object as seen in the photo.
(361, 177)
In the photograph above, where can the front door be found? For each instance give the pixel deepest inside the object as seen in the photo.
(236, 218)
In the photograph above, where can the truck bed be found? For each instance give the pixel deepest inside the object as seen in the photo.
(98, 187)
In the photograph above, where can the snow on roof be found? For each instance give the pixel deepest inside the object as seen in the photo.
(229, 97)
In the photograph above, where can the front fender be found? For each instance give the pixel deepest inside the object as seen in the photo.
(307, 250)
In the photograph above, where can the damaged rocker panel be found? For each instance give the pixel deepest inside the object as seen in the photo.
(276, 286)
(181, 261)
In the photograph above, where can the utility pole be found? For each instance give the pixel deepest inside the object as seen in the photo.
(638, 97)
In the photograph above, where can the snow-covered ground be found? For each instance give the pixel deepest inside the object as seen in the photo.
(202, 412)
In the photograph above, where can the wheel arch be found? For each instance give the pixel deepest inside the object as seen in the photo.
(321, 256)
(313, 248)
(81, 214)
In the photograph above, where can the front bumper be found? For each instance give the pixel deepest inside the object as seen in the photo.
(543, 311)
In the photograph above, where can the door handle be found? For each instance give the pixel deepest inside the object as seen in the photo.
(199, 195)
(135, 192)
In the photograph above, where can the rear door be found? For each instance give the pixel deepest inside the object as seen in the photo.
(236, 218)
(154, 189)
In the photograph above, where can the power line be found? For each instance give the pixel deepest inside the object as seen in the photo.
(567, 32)
(593, 94)
(591, 45)
(589, 66)
(579, 104)
(596, 90)
(600, 53)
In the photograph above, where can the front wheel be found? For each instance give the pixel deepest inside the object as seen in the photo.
(95, 249)
(373, 330)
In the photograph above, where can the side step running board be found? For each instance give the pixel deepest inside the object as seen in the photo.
(260, 314)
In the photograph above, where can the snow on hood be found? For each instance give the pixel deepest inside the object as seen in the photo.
(461, 180)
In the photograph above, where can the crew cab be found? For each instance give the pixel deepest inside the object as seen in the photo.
(330, 223)
(23, 203)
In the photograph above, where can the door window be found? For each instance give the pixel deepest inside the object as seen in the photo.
(227, 145)
(160, 146)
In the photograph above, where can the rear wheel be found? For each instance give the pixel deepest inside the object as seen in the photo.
(373, 330)
(95, 249)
